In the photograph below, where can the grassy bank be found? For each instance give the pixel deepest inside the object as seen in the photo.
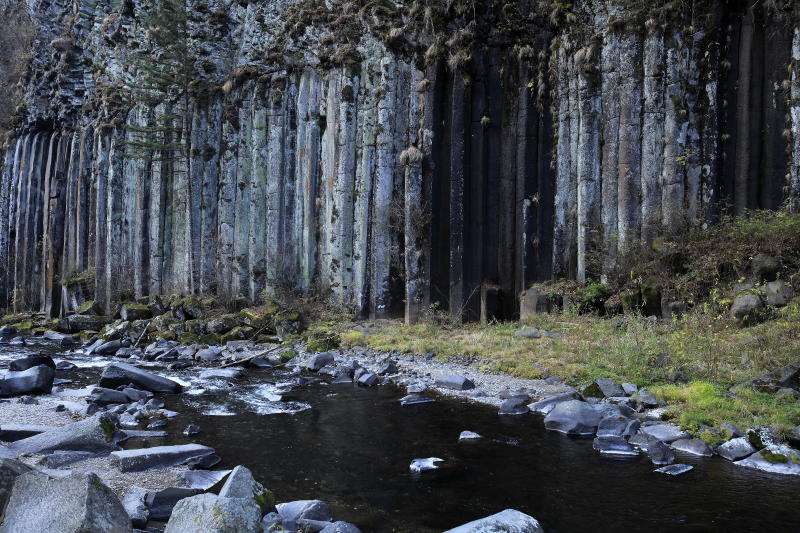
(693, 364)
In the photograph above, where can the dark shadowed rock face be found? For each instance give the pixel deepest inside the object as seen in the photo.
(36, 380)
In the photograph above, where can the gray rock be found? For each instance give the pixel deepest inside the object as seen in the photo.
(647, 398)
(203, 479)
(93, 434)
(778, 293)
(785, 377)
(514, 406)
(414, 399)
(340, 527)
(191, 430)
(547, 404)
(201, 514)
(242, 484)
(134, 503)
(508, 521)
(693, 447)
(15, 432)
(659, 453)
(614, 445)
(24, 363)
(63, 366)
(134, 312)
(117, 374)
(103, 396)
(424, 464)
(528, 333)
(109, 348)
(469, 436)
(10, 470)
(207, 355)
(387, 368)
(161, 502)
(736, 449)
(674, 470)
(292, 512)
(775, 458)
(320, 360)
(603, 388)
(60, 458)
(36, 380)
(765, 267)
(618, 426)
(158, 456)
(665, 432)
(368, 379)
(78, 503)
(454, 383)
(630, 389)
(747, 309)
(573, 418)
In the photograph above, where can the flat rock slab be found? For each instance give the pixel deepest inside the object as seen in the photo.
(117, 374)
(665, 432)
(546, 405)
(158, 456)
(10, 470)
(674, 470)
(469, 436)
(776, 458)
(94, 434)
(614, 445)
(203, 512)
(693, 447)
(77, 503)
(514, 406)
(221, 373)
(453, 382)
(508, 521)
(203, 479)
(15, 432)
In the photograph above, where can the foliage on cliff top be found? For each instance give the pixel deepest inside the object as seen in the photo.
(16, 39)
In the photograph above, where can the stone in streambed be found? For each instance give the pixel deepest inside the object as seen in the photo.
(548, 404)
(674, 470)
(134, 503)
(15, 432)
(618, 426)
(467, 436)
(209, 513)
(659, 453)
(161, 502)
(614, 445)
(203, 479)
(242, 484)
(573, 418)
(158, 456)
(427, 463)
(10, 470)
(117, 374)
(95, 434)
(603, 388)
(318, 361)
(453, 382)
(292, 512)
(24, 363)
(693, 447)
(340, 527)
(368, 379)
(103, 396)
(514, 406)
(78, 503)
(665, 432)
(508, 521)
(736, 449)
(36, 380)
(775, 458)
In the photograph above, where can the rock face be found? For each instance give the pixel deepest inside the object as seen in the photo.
(573, 418)
(10, 470)
(93, 434)
(298, 151)
(508, 521)
(208, 513)
(78, 503)
(117, 374)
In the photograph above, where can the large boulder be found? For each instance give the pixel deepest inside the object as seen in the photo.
(340, 527)
(778, 293)
(320, 360)
(131, 312)
(209, 513)
(135, 506)
(573, 418)
(30, 361)
(748, 309)
(693, 447)
(787, 377)
(292, 512)
(78, 323)
(242, 484)
(10, 470)
(765, 267)
(79, 503)
(158, 456)
(454, 383)
(95, 434)
(614, 445)
(546, 405)
(36, 380)
(161, 502)
(736, 449)
(603, 388)
(665, 432)
(508, 521)
(775, 458)
(117, 374)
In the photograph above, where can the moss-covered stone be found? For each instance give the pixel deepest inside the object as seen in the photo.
(89, 308)
(772, 457)
(288, 355)
(253, 318)
(188, 338)
(131, 311)
(209, 338)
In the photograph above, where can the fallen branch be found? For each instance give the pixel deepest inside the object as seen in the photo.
(143, 332)
(249, 358)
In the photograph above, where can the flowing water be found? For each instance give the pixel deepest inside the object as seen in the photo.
(351, 447)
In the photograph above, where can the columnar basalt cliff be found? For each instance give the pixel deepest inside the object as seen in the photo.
(387, 155)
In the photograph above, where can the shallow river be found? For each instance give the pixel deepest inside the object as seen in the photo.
(351, 447)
